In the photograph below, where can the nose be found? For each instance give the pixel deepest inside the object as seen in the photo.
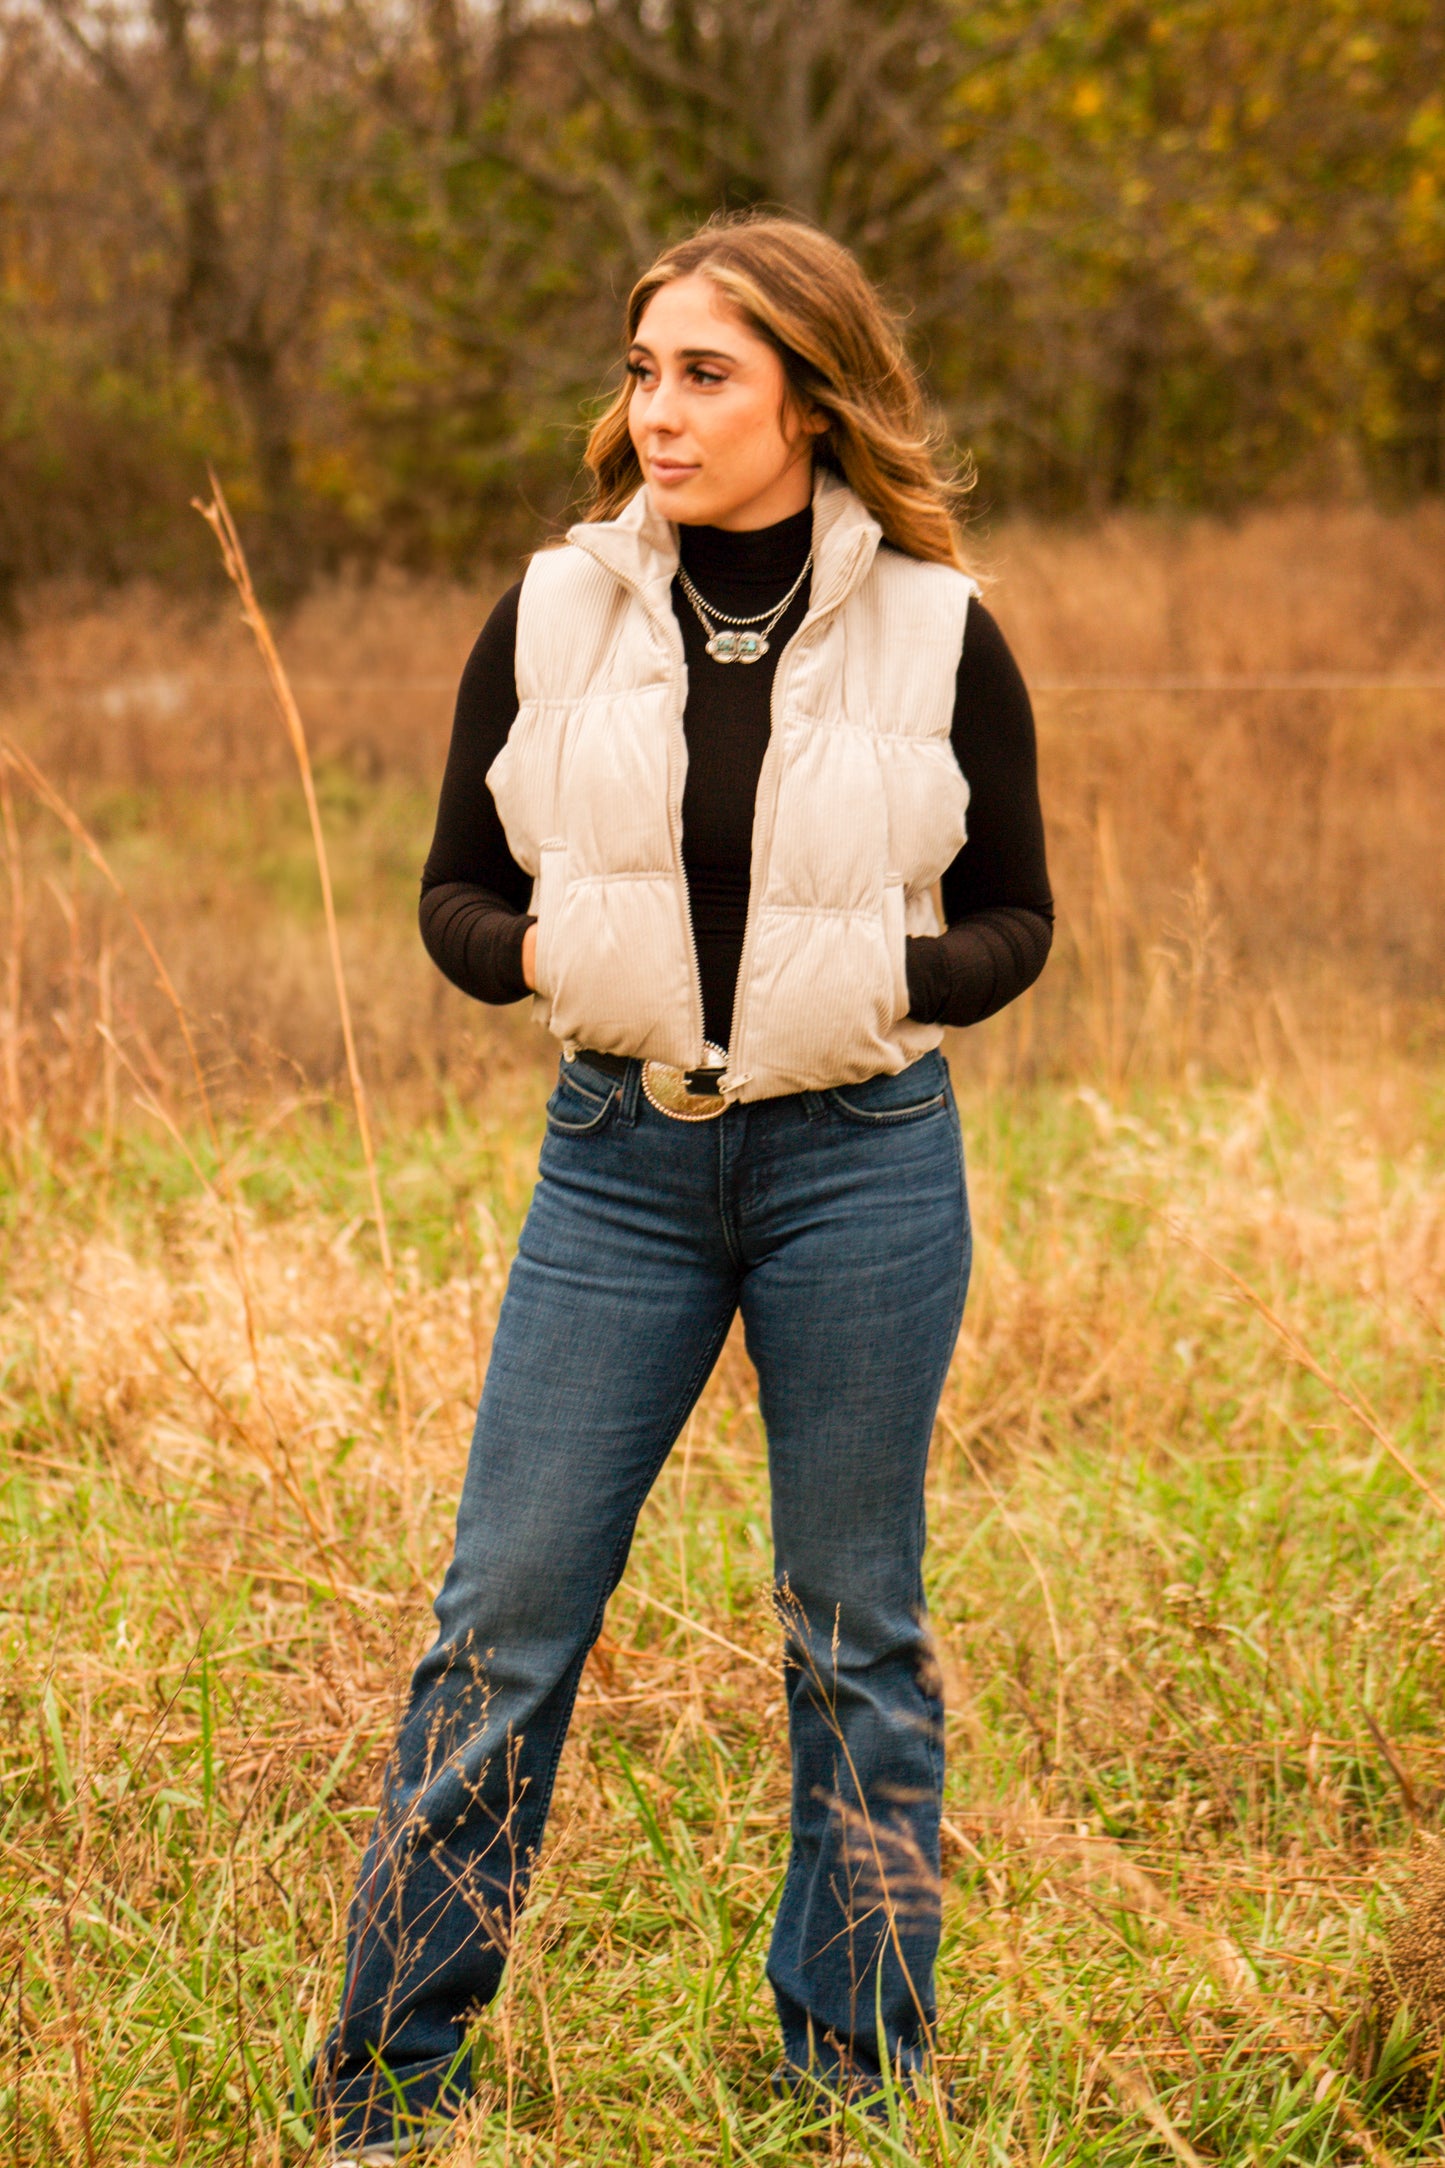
(662, 407)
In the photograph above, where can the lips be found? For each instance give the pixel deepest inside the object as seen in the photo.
(671, 470)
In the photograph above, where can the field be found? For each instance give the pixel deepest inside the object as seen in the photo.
(1188, 1487)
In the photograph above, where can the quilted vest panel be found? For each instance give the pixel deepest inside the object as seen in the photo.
(860, 803)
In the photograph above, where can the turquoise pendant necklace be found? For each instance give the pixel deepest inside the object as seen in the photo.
(743, 644)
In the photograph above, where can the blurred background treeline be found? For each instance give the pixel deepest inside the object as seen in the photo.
(1177, 276)
(368, 258)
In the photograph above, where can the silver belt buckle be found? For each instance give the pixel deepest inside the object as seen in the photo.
(667, 1088)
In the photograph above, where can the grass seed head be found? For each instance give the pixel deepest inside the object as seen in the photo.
(1407, 1987)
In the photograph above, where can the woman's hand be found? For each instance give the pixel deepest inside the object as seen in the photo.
(529, 957)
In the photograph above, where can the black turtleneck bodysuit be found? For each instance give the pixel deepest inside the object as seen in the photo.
(996, 898)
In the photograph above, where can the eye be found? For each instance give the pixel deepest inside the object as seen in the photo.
(701, 374)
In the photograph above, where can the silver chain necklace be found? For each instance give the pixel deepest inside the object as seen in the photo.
(743, 645)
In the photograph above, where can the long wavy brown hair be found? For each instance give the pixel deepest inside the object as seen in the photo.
(843, 356)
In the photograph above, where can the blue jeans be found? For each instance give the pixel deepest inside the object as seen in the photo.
(837, 1222)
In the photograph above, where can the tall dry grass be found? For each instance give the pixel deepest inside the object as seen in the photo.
(1241, 875)
(1234, 863)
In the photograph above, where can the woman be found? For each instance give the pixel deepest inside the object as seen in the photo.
(706, 778)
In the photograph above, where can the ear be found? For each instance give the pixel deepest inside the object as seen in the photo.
(800, 422)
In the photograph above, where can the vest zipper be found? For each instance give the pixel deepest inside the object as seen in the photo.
(675, 821)
(700, 1041)
(735, 1076)
(764, 819)
(676, 784)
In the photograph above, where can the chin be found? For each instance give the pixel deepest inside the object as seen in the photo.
(682, 500)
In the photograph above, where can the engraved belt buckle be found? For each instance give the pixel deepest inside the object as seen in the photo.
(685, 1095)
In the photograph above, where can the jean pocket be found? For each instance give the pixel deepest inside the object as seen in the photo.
(886, 1102)
(575, 1109)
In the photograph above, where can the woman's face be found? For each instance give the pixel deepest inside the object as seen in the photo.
(719, 438)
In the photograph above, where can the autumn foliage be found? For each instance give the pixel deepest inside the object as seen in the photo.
(369, 260)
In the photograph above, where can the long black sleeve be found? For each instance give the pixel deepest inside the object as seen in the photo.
(474, 895)
(996, 899)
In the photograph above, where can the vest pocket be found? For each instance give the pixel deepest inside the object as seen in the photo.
(551, 880)
(895, 935)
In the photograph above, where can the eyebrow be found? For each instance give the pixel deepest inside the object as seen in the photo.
(687, 353)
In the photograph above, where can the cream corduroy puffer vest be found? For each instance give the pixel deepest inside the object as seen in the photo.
(860, 803)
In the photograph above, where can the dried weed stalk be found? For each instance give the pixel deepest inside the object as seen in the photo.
(217, 515)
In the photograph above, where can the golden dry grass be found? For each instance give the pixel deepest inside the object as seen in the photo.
(1237, 873)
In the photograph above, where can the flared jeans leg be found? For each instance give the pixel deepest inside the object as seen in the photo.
(840, 1225)
(615, 1310)
(859, 1254)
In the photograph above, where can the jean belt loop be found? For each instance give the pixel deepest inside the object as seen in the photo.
(813, 1107)
(631, 1094)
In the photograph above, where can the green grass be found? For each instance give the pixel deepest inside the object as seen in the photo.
(1181, 1596)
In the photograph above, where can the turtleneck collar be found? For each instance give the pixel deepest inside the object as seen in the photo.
(641, 548)
(765, 557)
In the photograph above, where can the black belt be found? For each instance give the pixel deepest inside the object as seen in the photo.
(702, 1083)
(666, 1088)
(610, 1064)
